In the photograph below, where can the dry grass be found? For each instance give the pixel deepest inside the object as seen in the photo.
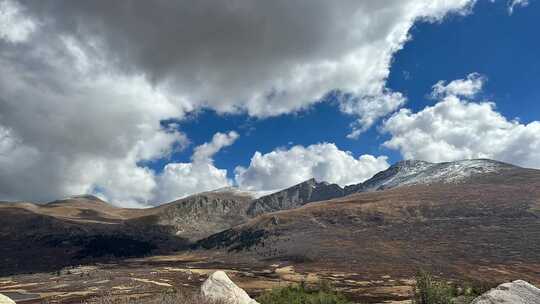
(173, 297)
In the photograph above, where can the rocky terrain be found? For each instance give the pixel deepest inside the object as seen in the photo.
(295, 196)
(403, 173)
(200, 215)
(149, 276)
(466, 220)
(517, 292)
(85, 229)
(415, 172)
(454, 227)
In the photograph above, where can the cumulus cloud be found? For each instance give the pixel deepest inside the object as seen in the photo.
(260, 57)
(456, 128)
(71, 124)
(204, 152)
(369, 109)
(325, 162)
(182, 179)
(468, 87)
(86, 85)
(512, 4)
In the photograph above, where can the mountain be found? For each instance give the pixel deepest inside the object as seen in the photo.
(414, 172)
(295, 196)
(85, 208)
(402, 199)
(200, 215)
(403, 173)
(85, 229)
(460, 220)
(47, 237)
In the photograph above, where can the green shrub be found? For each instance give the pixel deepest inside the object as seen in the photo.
(468, 291)
(430, 291)
(300, 294)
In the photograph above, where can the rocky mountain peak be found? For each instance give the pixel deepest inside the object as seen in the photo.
(202, 214)
(402, 173)
(308, 191)
(415, 172)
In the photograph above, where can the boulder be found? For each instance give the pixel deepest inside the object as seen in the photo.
(218, 287)
(517, 292)
(5, 300)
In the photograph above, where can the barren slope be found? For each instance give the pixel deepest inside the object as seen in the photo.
(456, 228)
(198, 216)
(85, 229)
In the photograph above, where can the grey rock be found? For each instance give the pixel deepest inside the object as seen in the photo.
(218, 287)
(5, 300)
(516, 292)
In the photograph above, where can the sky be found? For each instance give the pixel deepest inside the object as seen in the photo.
(142, 103)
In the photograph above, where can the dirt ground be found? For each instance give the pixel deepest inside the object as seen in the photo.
(149, 276)
(146, 277)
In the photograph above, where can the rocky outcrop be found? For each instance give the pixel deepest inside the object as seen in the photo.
(295, 196)
(517, 292)
(201, 215)
(5, 300)
(218, 287)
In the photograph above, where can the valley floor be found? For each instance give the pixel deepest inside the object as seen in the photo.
(146, 277)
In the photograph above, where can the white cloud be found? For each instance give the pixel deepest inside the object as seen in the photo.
(85, 85)
(182, 179)
(369, 109)
(15, 27)
(456, 128)
(460, 87)
(325, 162)
(516, 3)
(69, 131)
(255, 57)
(204, 152)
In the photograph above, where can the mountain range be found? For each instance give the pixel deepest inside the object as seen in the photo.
(415, 212)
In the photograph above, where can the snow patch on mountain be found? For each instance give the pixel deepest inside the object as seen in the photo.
(413, 172)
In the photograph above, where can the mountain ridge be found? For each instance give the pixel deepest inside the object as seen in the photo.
(456, 228)
(73, 229)
(295, 196)
(402, 173)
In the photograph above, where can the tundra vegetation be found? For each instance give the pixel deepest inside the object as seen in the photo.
(430, 290)
(322, 293)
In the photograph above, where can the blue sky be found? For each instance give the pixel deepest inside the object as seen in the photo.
(145, 103)
(489, 41)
